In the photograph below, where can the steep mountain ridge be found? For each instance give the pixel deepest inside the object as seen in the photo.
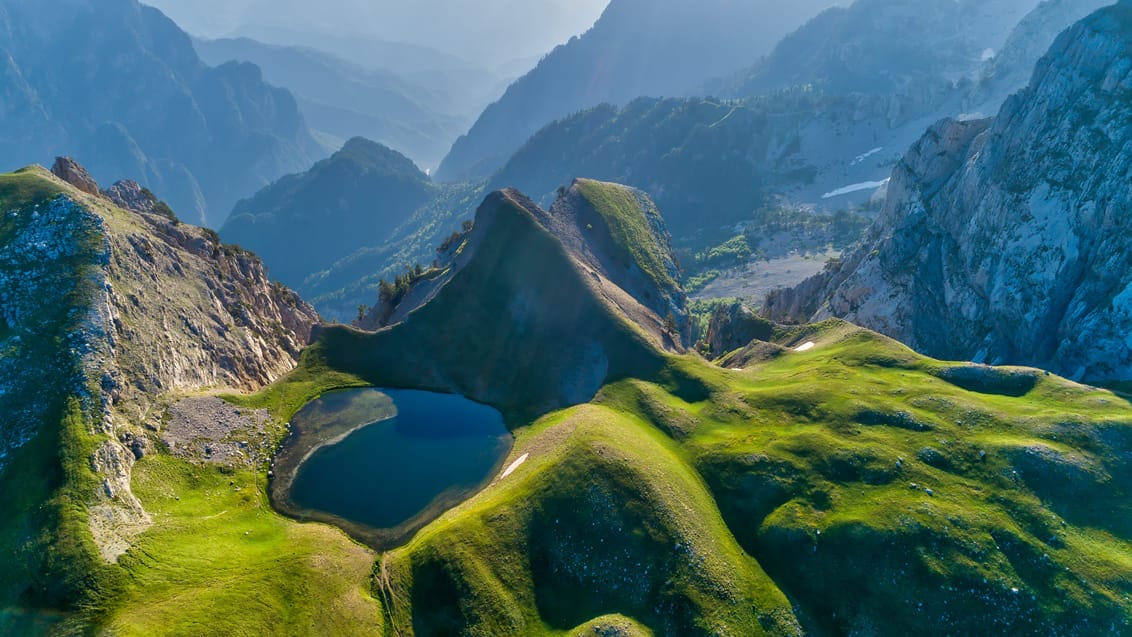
(119, 86)
(107, 312)
(636, 48)
(530, 314)
(360, 194)
(1005, 240)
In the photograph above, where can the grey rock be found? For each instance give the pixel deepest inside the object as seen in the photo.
(1008, 241)
(129, 195)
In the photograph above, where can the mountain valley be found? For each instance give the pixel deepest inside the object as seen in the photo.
(840, 350)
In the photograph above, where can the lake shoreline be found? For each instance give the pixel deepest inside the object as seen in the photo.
(357, 450)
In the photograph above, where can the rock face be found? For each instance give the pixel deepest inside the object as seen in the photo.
(71, 172)
(1008, 241)
(117, 309)
(1013, 64)
(129, 195)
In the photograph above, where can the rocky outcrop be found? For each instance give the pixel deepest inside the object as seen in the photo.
(129, 195)
(71, 172)
(733, 327)
(1008, 241)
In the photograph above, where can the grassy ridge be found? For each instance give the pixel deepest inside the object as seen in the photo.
(621, 208)
(874, 493)
(51, 562)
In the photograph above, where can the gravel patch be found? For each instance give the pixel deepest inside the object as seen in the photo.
(208, 429)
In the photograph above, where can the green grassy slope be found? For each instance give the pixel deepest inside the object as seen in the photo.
(607, 517)
(876, 495)
(699, 500)
(634, 234)
(220, 561)
(50, 560)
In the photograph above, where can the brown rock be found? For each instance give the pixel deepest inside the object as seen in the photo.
(73, 173)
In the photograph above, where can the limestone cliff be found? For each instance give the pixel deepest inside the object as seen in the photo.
(1008, 240)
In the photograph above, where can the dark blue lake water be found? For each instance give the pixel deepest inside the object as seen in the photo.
(437, 450)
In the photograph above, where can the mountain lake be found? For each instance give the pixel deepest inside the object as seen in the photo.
(381, 463)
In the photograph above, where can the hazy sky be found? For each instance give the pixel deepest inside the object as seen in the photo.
(488, 32)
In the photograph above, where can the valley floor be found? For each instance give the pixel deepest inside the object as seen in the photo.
(753, 281)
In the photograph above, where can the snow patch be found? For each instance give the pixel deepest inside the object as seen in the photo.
(862, 157)
(866, 185)
(805, 347)
(515, 465)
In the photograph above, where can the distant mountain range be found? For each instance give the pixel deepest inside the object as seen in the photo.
(364, 214)
(820, 122)
(637, 48)
(341, 100)
(118, 85)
